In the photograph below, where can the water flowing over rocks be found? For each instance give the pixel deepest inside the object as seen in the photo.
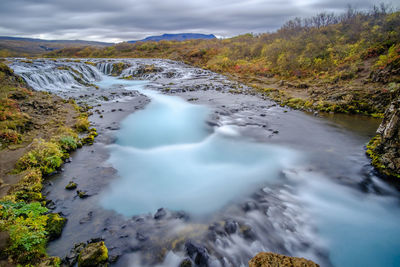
(284, 212)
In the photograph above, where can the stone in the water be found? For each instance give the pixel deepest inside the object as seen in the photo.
(248, 232)
(197, 252)
(269, 259)
(82, 194)
(160, 214)
(141, 237)
(94, 254)
(72, 256)
(186, 263)
(249, 206)
(230, 226)
(71, 185)
(50, 262)
(55, 225)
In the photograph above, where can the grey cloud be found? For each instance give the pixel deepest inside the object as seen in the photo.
(114, 20)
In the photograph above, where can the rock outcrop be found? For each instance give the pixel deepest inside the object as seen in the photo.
(269, 259)
(384, 149)
(55, 225)
(94, 254)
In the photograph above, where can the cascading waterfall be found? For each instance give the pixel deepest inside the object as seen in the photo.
(57, 76)
(105, 67)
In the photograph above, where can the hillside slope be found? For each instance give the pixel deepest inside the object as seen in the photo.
(176, 37)
(348, 63)
(15, 46)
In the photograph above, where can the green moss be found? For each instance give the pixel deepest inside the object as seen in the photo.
(130, 77)
(71, 186)
(82, 194)
(54, 225)
(90, 63)
(50, 262)
(295, 103)
(46, 156)
(118, 68)
(375, 153)
(89, 138)
(377, 115)
(29, 188)
(94, 254)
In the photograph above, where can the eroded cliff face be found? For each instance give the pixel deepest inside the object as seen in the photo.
(384, 149)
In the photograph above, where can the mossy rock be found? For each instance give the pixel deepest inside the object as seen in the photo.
(29, 257)
(71, 185)
(186, 263)
(269, 259)
(82, 194)
(94, 254)
(89, 139)
(55, 225)
(50, 262)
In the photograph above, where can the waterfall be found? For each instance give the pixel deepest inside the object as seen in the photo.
(50, 75)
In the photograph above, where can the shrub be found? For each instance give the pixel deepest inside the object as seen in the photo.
(47, 156)
(29, 188)
(82, 124)
(26, 226)
(68, 143)
(9, 136)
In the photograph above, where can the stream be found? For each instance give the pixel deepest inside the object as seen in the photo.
(184, 168)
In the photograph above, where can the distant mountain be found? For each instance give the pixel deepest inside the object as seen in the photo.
(17, 46)
(176, 37)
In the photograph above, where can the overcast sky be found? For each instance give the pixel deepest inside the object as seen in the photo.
(122, 20)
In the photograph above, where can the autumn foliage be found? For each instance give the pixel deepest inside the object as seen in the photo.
(326, 45)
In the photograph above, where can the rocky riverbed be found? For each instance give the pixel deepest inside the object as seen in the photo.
(302, 183)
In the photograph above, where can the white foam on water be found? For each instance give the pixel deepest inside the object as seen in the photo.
(166, 157)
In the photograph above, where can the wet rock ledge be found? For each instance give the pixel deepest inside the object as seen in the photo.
(384, 148)
(269, 259)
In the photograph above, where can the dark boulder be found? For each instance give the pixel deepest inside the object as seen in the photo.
(197, 253)
(231, 226)
(160, 214)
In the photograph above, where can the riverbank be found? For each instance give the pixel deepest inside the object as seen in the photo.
(38, 132)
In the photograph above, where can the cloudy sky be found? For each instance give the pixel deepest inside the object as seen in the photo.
(121, 20)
